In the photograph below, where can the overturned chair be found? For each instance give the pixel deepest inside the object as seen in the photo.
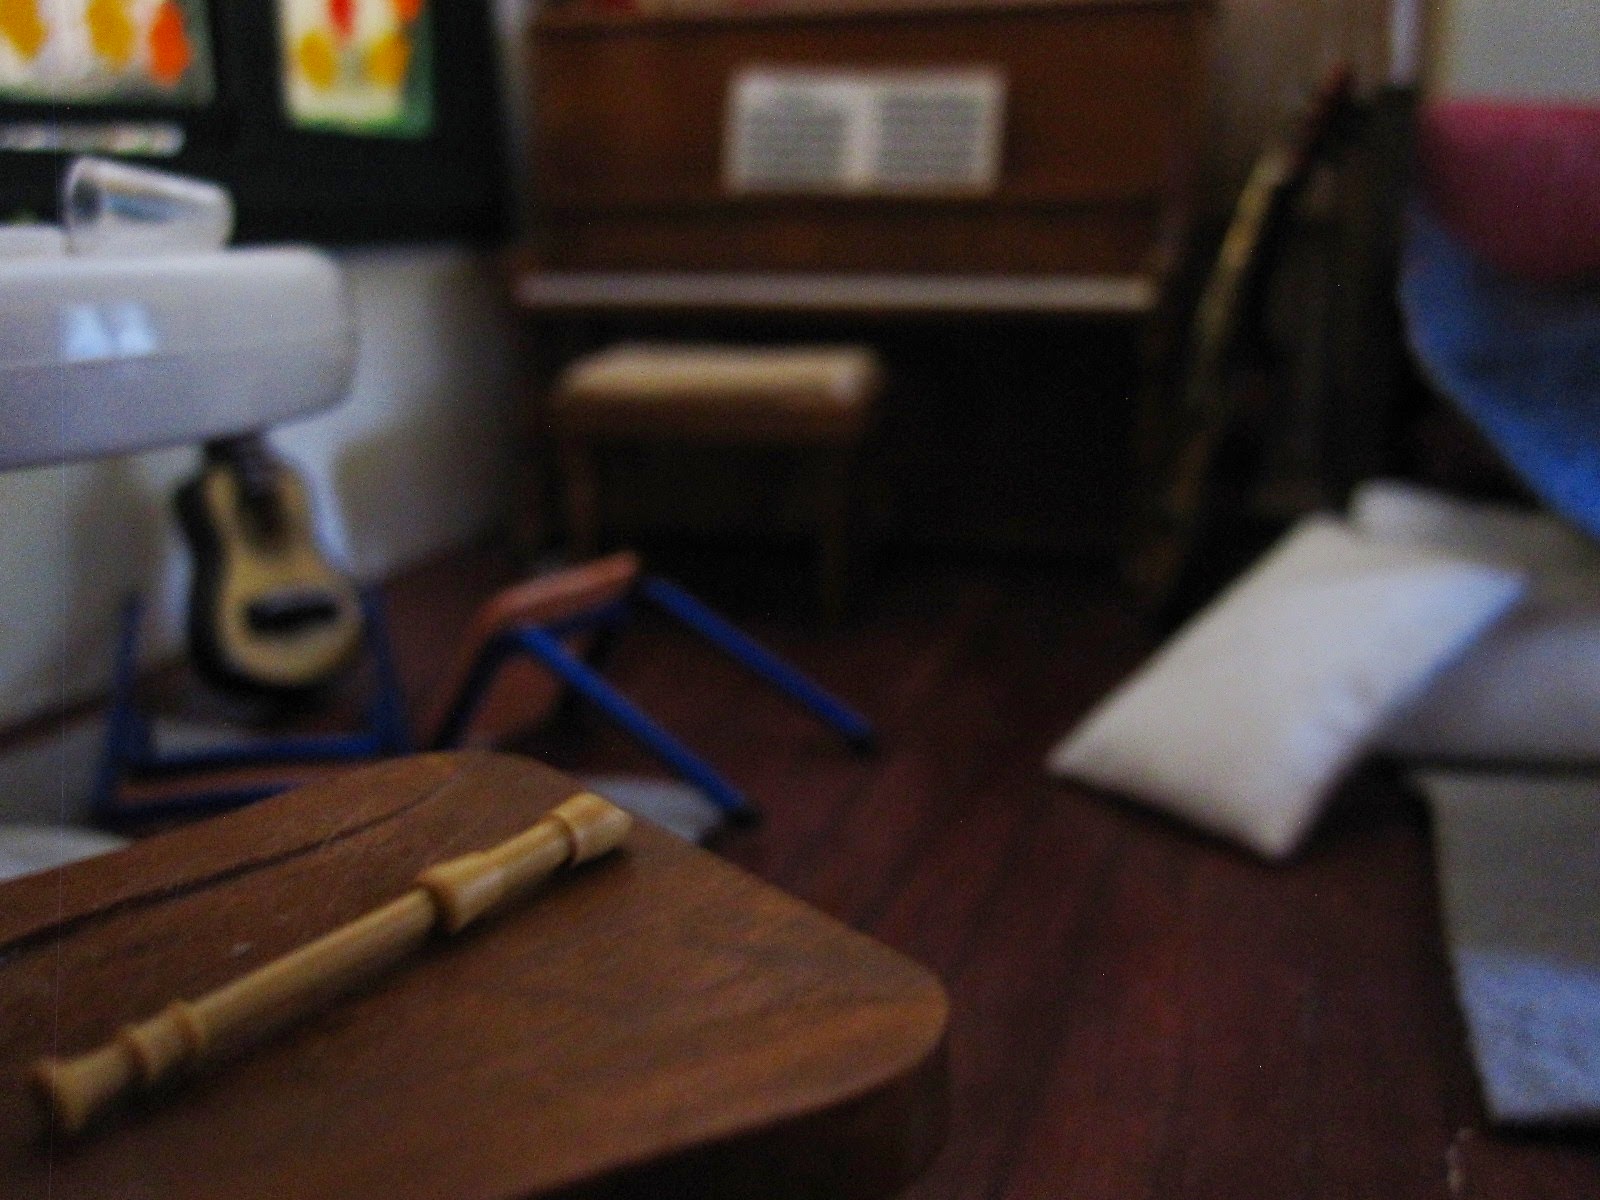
(523, 648)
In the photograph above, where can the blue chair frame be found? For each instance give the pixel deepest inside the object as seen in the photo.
(543, 644)
(129, 745)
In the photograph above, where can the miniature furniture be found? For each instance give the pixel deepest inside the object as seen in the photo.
(656, 1023)
(817, 399)
(638, 229)
(73, 336)
(141, 778)
(526, 648)
(1101, 104)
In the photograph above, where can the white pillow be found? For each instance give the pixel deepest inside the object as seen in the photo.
(1563, 565)
(1529, 691)
(1248, 717)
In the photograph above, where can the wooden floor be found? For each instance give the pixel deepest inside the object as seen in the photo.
(1138, 1011)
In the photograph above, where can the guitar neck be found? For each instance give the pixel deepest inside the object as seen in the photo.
(249, 459)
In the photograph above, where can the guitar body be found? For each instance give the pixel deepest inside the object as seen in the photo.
(267, 612)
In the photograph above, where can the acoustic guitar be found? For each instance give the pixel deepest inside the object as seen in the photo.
(267, 612)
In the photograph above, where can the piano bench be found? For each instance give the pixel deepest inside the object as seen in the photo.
(818, 398)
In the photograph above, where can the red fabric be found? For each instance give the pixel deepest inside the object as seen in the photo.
(1518, 182)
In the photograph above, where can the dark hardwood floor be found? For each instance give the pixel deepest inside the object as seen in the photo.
(1138, 1011)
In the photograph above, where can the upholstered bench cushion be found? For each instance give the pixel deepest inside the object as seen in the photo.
(807, 393)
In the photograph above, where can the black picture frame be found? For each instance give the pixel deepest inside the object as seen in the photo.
(294, 183)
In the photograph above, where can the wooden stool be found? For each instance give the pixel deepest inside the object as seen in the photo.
(820, 397)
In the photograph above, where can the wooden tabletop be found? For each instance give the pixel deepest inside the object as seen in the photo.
(657, 1023)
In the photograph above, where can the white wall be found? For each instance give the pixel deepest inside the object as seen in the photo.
(1527, 49)
(415, 461)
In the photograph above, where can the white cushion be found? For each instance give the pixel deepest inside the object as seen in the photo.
(1562, 563)
(1248, 717)
(1529, 690)
(1528, 693)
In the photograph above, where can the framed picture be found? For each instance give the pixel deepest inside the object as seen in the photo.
(357, 66)
(340, 121)
(106, 51)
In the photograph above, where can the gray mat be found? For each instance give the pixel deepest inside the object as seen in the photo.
(1519, 874)
(25, 849)
(674, 806)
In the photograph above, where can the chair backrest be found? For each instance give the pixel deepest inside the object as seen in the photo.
(524, 694)
(1228, 331)
(1231, 315)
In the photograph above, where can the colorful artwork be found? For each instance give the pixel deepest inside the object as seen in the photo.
(125, 51)
(357, 66)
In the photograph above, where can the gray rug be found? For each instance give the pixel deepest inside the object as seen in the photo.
(1519, 875)
(675, 806)
(25, 849)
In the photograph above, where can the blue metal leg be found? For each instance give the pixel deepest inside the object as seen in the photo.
(129, 746)
(387, 716)
(126, 738)
(589, 683)
(385, 732)
(592, 686)
(604, 619)
(603, 626)
(674, 600)
(484, 669)
(270, 752)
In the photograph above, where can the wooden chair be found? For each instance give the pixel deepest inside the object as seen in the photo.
(1211, 421)
(818, 399)
(526, 649)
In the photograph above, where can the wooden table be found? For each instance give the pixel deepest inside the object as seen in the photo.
(659, 1023)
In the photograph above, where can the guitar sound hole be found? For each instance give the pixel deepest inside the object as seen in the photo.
(290, 612)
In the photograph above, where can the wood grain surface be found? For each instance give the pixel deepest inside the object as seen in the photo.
(1138, 1012)
(1102, 108)
(659, 1020)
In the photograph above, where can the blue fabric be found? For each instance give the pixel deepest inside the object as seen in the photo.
(1521, 361)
